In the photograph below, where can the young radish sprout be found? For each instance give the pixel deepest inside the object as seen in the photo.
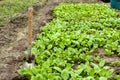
(29, 57)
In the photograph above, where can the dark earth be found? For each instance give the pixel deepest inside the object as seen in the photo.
(13, 38)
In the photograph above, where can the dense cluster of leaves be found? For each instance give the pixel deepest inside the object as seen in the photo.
(63, 50)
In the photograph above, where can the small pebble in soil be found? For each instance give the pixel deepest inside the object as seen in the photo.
(43, 23)
(55, 3)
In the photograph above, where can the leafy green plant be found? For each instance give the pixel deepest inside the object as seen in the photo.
(63, 50)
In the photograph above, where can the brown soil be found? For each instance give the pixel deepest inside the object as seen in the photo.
(13, 38)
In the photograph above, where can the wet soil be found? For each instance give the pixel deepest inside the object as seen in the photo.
(13, 38)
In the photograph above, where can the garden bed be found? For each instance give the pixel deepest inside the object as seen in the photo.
(82, 42)
(13, 42)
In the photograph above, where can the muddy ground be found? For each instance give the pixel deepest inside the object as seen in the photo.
(13, 37)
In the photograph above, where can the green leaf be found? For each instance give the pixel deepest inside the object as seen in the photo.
(108, 52)
(65, 74)
(49, 47)
(96, 68)
(57, 68)
(117, 77)
(51, 76)
(79, 70)
(102, 63)
(37, 77)
(102, 78)
(118, 50)
(90, 78)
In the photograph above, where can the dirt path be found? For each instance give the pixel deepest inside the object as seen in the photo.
(13, 39)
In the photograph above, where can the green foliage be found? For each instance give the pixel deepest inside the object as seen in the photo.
(11, 8)
(69, 40)
(115, 63)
